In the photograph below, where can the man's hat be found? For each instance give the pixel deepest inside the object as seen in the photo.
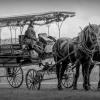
(30, 25)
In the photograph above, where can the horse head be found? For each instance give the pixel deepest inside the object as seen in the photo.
(98, 39)
(89, 37)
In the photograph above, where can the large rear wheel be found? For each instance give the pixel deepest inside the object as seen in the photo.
(15, 77)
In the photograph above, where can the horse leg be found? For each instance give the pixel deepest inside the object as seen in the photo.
(58, 77)
(76, 75)
(62, 70)
(90, 70)
(99, 79)
(83, 76)
(86, 76)
(58, 66)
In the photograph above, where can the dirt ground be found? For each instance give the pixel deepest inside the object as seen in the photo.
(47, 92)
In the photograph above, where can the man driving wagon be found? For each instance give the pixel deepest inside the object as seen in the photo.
(31, 40)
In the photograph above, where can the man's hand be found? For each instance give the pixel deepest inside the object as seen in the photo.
(37, 40)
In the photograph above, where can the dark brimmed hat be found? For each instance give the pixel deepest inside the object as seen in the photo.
(30, 25)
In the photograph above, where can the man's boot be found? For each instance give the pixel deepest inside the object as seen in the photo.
(38, 50)
(42, 53)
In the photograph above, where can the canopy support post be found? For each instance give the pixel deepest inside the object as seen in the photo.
(0, 33)
(48, 25)
(59, 25)
(21, 30)
(15, 28)
(10, 27)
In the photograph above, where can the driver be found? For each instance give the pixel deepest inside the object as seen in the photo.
(31, 40)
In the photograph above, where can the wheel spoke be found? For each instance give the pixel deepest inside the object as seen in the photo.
(10, 78)
(13, 82)
(69, 82)
(17, 70)
(32, 79)
(17, 77)
(65, 81)
(17, 80)
(30, 86)
(28, 80)
(18, 74)
(68, 78)
(30, 76)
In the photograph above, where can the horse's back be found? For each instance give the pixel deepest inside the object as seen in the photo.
(63, 46)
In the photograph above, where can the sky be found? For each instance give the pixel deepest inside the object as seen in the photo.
(87, 11)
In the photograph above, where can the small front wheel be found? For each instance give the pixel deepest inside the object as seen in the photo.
(68, 78)
(33, 80)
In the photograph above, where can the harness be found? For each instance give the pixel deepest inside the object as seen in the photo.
(61, 46)
(82, 46)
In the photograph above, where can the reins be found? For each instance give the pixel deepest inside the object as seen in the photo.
(83, 46)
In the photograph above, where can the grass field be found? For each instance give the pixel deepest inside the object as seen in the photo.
(94, 78)
(49, 89)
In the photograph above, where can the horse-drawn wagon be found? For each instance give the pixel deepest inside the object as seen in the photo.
(15, 55)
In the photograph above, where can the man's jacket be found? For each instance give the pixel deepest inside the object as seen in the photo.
(30, 34)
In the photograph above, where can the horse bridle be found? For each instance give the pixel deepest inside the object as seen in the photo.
(86, 49)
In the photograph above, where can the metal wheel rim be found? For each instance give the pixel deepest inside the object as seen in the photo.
(17, 78)
(68, 79)
(32, 81)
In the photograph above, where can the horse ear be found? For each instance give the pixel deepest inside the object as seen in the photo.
(81, 29)
(99, 25)
(90, 25)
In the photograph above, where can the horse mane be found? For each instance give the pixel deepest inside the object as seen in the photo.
(88, 30)
(86, 36)
(92, 27)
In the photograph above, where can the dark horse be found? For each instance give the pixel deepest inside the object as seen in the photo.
(96, 58)
(77, 51)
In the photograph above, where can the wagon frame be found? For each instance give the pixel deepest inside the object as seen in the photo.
(20, 21)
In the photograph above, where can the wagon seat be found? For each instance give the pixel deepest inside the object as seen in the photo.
(47, 42)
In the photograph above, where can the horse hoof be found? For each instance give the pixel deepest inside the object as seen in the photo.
(74, 88)
(60, 88)
(87, 88)
(98, 88)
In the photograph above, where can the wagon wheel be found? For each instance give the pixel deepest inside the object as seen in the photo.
(15, 78)
(33, 80)
(68, 78)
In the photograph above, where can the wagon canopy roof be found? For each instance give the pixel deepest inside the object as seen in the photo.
(37, 19)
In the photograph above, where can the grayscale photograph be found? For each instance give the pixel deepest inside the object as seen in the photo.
(49, 49)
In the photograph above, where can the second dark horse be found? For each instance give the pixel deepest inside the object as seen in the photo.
(78, 50)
